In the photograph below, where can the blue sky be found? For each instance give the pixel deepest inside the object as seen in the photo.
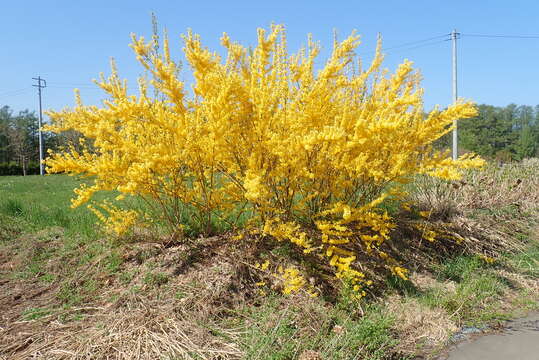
(70, 42)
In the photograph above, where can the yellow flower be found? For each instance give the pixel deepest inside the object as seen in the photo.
(487, 259)
(400, 272)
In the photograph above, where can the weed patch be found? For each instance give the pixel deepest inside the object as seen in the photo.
(35, 313)
(282, 329)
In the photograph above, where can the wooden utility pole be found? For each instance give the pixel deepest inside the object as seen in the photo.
(41, 83)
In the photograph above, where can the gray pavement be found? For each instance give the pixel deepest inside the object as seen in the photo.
(519, 341)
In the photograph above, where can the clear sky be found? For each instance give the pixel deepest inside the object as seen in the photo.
(70, 42)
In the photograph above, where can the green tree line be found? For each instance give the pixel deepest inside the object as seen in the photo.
(503, 133)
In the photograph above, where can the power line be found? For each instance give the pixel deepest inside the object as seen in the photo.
(419, 46)
(503, 36)
(14, 92)
(63, 85)
(400, 49)
(71, 84)
(26, 90)
(74, 87)
(415, 42)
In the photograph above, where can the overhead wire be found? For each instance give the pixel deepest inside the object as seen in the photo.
(74, 87)
(428, 41)
(418, 46)
(15, 93)
(502, 36)
(415, 42)
(413, 45)
(81, 86)
(389, 50)
(88, 84)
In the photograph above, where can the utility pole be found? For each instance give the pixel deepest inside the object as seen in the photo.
(41, 83)
(454, 36)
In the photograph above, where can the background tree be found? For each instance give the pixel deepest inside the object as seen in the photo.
(18, 140)
(5, 120)
(505, 133)
(22, 134)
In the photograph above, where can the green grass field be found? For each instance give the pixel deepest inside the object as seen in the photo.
(44, 201)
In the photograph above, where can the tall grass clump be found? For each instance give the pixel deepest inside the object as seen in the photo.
(496, 186)
(492, 212)
(266, 144)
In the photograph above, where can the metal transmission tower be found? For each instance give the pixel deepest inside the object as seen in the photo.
(454, 36)
(41, 83)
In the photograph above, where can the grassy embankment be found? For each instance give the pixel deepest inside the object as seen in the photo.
(66, 291)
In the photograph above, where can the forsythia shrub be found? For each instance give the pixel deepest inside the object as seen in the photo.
(308, 156)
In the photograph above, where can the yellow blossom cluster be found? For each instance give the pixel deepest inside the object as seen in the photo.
(309, 156)
(290, 279)
(116, 221)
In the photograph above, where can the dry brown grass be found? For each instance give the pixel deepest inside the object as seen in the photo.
(418, 325)
(487, 209)
(425, 281)
(148, 330)
(141, 319)
(494, 187)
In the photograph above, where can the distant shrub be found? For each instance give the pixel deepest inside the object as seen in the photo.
(16, 169)
(307, 157)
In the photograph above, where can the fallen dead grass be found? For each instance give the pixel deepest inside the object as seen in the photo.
(145, 321)
(418, 325)
(149, 330)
